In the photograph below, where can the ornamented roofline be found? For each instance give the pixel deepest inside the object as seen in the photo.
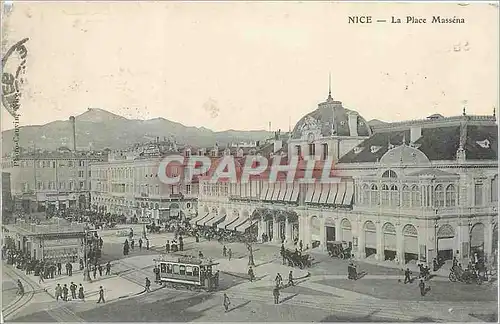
(446, 121)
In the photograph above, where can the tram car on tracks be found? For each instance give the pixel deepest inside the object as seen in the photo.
(188, 272)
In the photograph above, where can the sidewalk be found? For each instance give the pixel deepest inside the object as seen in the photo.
(114, 286)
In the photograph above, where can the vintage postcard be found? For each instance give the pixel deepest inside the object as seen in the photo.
(249, 161)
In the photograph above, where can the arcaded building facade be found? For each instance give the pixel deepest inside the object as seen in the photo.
(406, 190)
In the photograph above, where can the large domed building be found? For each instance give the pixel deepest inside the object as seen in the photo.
(330, 130)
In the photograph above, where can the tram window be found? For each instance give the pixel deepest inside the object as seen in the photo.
(182, 270)
(176, 269)
(163, 267)
(196, 271)
(189, 270)
(169, 268)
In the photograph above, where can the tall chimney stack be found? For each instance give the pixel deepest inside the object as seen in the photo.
(73, 126)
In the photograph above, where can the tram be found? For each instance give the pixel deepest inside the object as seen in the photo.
(188, 272)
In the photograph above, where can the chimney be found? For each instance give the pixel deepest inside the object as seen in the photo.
(353, 123)
(415, 133)
(73, 126)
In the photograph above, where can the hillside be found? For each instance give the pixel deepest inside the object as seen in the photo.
(98, 129)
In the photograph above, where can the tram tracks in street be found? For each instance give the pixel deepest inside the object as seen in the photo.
(21, 300)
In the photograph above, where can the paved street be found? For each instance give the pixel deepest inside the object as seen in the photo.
(325, 295)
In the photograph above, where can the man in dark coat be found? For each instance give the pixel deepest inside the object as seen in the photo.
(72, 288)
(81, 294)
(140, 243)
(148, 285)
(65, 292)
(100, 270)
(276, 294)
(421, 285)
(156, 271)
(407, 275)
(95, 271)
(101, 295)
(181, 243)
(108, 269)
(59, 268)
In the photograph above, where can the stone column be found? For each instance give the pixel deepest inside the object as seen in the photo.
(276, 235)
(361, 240)
(261, 226)
(287, 232)
(400, 244)
(488, 233)
(380, 241)
(322, 235)
(338, 230)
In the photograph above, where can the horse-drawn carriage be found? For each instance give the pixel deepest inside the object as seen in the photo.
(297, 259)
(153, 228)
(338, 249)
(467, 275)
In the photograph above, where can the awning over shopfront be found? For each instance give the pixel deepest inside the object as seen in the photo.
(206, 219)
(215, 220)
(196, 219)
(233, 226)
(228, 221)
(243, 227)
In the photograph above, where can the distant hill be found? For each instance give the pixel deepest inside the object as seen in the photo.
(98, 129)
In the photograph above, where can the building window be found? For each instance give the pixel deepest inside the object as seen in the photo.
(385, 195)
(394, 195)
(389, 174)
(80, 174)
(451, 195)
(90, 174)
(82, 185)
(71, 186)
(325, 151)
(478, 194)
(366, 195)
(415, 196)
(53, 164)
(439, 196)
(494, 189)
(298, 150)
(374, 195)
(406, 196)
(188, 153)
(81, 163)
(188, 189)
(39, 185)
(312, 149)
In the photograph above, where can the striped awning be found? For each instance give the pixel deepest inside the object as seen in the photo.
(233, 226)
(198, 218)
(228, 221)
(243, 227)
(206, 219)
(215, 220)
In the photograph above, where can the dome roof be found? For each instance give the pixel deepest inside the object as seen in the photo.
(331, 118)
(404, 155)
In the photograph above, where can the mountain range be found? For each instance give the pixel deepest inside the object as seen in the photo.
(97, 129)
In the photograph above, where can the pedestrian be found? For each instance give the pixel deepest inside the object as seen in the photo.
(108, 269)
(95, 271)
(81, 264)
(200, 254)
(148, 285)
(181, 243)
(70, 269)
(226, 302)
(407, 275)
(101, 243)
(421, 285)
(278, 280)
(101, 295)
(65, 292)
(140, 243)
(72, 288)
(167, 247)
(40, 278)
(132, 244)
(224, 251)
(100, 270)
(290, 278)
(58, 291)
(156, 271)
(20, 287)
(282, 252)
(301, 245)
(276, 294)
(230, 253)
(81, 294)
(59, 268)
(147, 244)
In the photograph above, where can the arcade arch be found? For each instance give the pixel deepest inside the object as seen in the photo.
(410, 243)
(477, 238)
(446, 241)
(389, 241)
(370, 238)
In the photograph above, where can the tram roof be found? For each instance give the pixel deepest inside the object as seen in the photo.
(187, 259)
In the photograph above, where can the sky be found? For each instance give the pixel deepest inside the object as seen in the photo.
(242, 65)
